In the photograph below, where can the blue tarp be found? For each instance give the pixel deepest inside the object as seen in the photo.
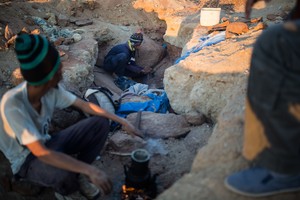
(203, 42)
(158, 103)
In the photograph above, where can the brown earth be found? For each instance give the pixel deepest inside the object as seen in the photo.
(171, 158)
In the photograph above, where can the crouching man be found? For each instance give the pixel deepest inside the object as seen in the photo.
(26, 112)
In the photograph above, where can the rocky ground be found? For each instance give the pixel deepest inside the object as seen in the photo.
(171, 158)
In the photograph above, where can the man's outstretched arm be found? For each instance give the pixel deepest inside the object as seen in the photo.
(66, 162)
(94, 109)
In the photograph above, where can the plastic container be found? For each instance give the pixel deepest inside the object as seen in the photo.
(210, 16)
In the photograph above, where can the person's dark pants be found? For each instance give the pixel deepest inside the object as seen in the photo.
(84, 140)
(118, 64)
(134, 71)
(272, 123)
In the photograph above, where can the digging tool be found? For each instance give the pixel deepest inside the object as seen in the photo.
(137, 123)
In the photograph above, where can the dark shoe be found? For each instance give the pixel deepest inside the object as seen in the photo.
(123, 82)
(260, 182)
(62, 197)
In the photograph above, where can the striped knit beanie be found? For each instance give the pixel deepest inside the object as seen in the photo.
(39, 60)
(136, 38)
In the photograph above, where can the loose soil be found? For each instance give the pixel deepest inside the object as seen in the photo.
(170, 159)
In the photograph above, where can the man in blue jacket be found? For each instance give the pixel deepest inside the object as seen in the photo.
(120, 60)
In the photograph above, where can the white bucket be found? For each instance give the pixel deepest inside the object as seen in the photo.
(210, 16)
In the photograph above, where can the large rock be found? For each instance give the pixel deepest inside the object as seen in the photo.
(157, 125)
(181, 18)
(149, 54)
(225, 144)
(218, 159)
(78, 69)
(120, 141)
(205, 80)
(220, 77)
(215, 160)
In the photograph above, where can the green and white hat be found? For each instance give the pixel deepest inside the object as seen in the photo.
(39, 60)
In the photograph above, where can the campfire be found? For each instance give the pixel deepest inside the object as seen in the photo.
(130, 193)
(139, 184)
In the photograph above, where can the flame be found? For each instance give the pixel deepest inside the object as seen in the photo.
(127, 189)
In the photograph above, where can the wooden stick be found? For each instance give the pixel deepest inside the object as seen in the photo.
(119, 153)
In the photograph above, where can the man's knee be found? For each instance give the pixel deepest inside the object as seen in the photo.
(269, 38)
(121, 58)
(100, 122)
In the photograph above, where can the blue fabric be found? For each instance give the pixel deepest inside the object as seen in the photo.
(204, 41)
(123, 82)
(157, 104)
(260, 182)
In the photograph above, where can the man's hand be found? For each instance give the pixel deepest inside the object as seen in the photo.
(66, 162)
(146, 70)
(94, 109)
(248, 7)
(100, 179)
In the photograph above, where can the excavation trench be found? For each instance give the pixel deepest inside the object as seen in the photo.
(167, 158)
